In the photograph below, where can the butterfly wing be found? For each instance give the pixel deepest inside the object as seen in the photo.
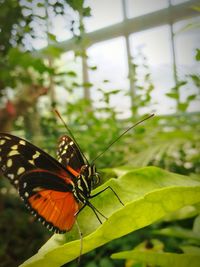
(69, 155)
(18, 155)
(50, 199)
(43, 183)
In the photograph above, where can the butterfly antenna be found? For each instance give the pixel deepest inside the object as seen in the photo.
(133, 126)
(70, 132)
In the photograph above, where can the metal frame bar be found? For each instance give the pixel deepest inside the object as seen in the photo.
(166, 16)
(141, 23)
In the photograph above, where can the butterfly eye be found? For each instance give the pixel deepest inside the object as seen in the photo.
(84, 168)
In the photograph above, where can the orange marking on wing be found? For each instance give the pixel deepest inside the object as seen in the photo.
(75, 173)
(56, 207)
(46, 209)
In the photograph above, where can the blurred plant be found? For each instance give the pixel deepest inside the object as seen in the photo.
(175, 94)
(140, 76)
(25, 78)
(21, 71)
(19, 231)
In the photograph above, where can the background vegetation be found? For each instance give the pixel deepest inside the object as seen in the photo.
(30, 83)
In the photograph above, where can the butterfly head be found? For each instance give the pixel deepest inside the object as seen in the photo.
(91, 173)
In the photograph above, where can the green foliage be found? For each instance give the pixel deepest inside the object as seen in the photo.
(162, 193)
(15, 235)
(160, 259)
(79, 6)
(140, 77)
(32, 72)
(189, 242)
(170, 142)
(176, 95)
(168, 145)
(13, 10)
(198, 54)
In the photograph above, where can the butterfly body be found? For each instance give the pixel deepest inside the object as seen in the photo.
(54, 191)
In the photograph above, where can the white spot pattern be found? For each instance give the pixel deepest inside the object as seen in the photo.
(36, 155)
(2, 141)
(11, 176)
(31, 162)
(15, 147)
(20, 170)
(13, 153)
(9, 163)
(22, 142)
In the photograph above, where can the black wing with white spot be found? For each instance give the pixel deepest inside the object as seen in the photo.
(69, 155)
(18, 156)
(43, 183)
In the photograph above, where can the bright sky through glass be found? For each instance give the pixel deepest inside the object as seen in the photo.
(137, 8)
(111, 61)
(156, 46)
(187, 40)
(104, 13)
(110, 56)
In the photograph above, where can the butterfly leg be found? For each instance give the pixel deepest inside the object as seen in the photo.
(108, 187)
(95, 210)
(80, 209)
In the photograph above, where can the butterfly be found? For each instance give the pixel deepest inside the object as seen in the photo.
(55, 191)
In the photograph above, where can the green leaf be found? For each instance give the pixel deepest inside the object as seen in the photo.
(148, 194)
(93, 68)
(195, 79)
(40, 5)
(179, 232)
(26, 60)
(87, 12)
(52, 37)
(52, 51)
(196, 226)
(184, 213)
(87, 84)
(198, 55)
(191, 97)
(160, 259)
(173, 95)
(71, 73)
(197, 8)
(182, 106)
(191, 249)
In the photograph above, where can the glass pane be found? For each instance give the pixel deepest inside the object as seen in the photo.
(68, 63)
(137, 8)
(104, 13)
(111, 61)
(187, 40)
(176, 2)
(156, 47)
(60, 28)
